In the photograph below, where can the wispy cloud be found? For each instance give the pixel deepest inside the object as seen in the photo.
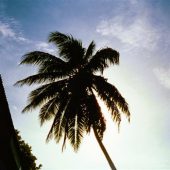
(163, 75)
(7, 31)
(43, 46)
(139, 33)
(133, 1)
(133, 31)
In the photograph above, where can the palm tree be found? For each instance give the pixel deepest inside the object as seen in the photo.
(68, 90)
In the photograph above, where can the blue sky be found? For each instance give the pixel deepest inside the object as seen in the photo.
(139, 30)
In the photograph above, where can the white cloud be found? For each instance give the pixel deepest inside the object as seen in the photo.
(22, 39)
(133, 2)
(44, 47)
(131, 27)
(7, 32)
(163, 75)
(137, 34)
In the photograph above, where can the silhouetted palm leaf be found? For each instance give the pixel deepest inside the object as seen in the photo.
(102, 59)
(45, 92)
(89, 51)
(112, 97)
(41, 78)
(38, 58)
(69, 48)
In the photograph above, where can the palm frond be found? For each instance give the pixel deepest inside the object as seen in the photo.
(95, 115)
(112, 97)
(59, 38)
(45, 92)
(59, 123)
(40, 78)
(89, 51)
(76, 130)
(67, 123)
(39, 58)
(102, 59)
(76, 120)
(69, 48)
(65, 138)
(48, 110)
(47, 66)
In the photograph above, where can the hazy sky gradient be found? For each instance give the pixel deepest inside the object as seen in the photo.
(139, 30)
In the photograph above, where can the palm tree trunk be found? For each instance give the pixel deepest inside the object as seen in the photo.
(104, 150)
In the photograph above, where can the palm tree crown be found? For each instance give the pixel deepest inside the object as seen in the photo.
(69, 85)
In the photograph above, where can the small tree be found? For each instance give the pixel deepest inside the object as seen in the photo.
(27, 158)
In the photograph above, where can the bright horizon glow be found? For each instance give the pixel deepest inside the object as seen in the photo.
(139, 30)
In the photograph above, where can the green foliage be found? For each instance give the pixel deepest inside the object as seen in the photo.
(27, 158)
